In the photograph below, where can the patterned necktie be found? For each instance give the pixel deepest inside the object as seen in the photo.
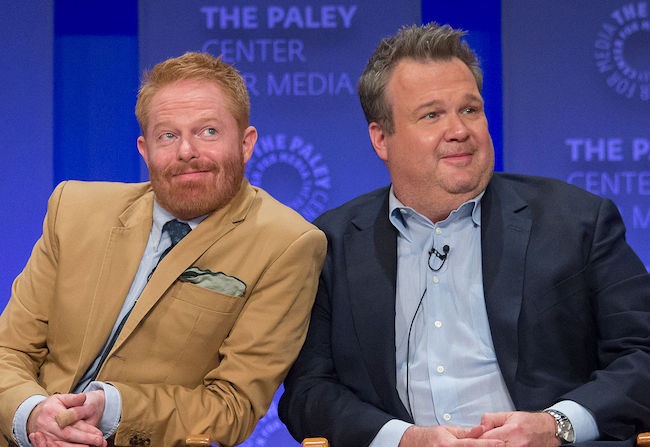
(176, 231)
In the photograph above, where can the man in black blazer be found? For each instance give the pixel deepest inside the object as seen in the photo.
(462, 307)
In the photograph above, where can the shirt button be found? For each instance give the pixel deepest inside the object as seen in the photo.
(446, 417)
(437, 323)
(438, 230)
(440, 369)
(436, 280)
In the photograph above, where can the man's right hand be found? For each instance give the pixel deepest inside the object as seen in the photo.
(447, 435)
(43, 430)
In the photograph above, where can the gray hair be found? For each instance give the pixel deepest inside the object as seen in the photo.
(421, 43)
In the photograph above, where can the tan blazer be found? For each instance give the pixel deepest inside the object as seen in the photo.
(189, 359)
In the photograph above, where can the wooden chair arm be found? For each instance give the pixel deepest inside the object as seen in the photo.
(203, 440)
(197, 440)
(643, 440)
(315, 442)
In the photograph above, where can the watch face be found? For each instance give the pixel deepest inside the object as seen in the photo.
(565, 430)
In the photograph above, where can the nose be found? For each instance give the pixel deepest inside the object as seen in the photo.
(456, 128)
(186, 150)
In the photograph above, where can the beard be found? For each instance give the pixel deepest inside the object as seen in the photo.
(193, 198)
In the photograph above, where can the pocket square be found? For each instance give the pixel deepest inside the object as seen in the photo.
(217, 282)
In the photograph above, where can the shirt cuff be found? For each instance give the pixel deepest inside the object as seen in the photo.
(112, 407)
(390, 434)
(21, 416)
(584, 424)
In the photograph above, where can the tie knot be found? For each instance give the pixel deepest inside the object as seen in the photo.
(176, 230)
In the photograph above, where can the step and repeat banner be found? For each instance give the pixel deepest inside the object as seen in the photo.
(576, 86)
(301, 62)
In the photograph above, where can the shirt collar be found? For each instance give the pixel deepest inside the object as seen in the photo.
(162, 216)
(400, 214)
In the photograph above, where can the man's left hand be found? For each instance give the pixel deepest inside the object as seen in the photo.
(90, 411)
(519, 429)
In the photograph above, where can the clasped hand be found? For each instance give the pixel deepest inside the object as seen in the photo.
(512, 429)
(82, 413)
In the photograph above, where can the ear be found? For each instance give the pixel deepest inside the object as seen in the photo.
(142, 148)
(378, 139)
(248, 142)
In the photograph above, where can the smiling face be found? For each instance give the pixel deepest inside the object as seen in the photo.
(194, 149)
(440, 153)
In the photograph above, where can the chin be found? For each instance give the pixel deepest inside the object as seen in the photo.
(194, 200)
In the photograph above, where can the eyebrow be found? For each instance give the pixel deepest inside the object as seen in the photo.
(469, 97)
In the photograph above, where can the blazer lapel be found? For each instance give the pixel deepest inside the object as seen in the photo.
(188, 250)
(505, 230)
(122, 256)
(371, 261)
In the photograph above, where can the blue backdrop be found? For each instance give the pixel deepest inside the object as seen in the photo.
(566, 87)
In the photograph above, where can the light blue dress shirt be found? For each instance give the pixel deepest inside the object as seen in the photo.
(449, 359)
(156, 245)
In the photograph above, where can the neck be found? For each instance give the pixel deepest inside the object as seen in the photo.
(435, 206)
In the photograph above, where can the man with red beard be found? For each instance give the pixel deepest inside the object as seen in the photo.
(150, 311)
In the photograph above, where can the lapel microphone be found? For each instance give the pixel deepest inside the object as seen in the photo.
(441, 256)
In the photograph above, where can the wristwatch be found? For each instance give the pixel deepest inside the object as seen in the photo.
(564, 430)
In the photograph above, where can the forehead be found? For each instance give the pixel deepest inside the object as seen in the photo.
(413, 80)
(188, 95)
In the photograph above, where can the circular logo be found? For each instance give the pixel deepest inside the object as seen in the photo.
(621, 50)
(292, 171)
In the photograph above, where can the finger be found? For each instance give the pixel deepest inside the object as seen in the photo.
(86, 427)
(466, 432)
(86, 435)
(496, 433)
(71, 400)
(492, 420)
(38, 439)
(481, 443)
(74, 414)
(66, 418)
(476, 432)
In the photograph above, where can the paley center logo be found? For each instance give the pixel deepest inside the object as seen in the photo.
(292, 171)
(622, 50)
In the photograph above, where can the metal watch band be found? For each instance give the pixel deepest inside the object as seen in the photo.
(563, 427)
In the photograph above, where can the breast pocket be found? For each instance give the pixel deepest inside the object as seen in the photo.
(208, 318)
(206, 298)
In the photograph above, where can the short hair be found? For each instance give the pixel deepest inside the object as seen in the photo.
(421, 43)
(200, 67)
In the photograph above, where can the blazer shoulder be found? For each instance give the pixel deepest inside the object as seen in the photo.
(276, 218)
(95, 203)
(81, 192)
(545, 192)
(362, 210)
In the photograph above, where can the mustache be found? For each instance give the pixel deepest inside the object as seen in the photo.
(192, 166)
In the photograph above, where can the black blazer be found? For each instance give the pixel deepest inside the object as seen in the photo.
(567, 299)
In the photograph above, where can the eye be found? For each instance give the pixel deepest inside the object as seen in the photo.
(468, 110)
(166, 136)
(209, 132)
(431, 115)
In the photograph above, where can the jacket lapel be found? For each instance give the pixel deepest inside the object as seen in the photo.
(185, 253)
(505, 230)
(122, 256)
(371, 261)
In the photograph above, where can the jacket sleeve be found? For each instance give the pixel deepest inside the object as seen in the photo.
(315, 401)
(617, 393)
(24, 322)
